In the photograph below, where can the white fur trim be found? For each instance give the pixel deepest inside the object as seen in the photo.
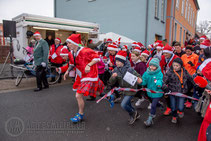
(145, 54)
(135, 45)
(202, 38)
(203, 46)
(58, 40)
(71, 41)
(137, 50)
(89, 79)
(121, 57)
(74, 90)
(36, 34)
(111, 48)
(124, 49)
(167, 51)
(63, 54)
(96, 59)
(159, 47)
(204, 64)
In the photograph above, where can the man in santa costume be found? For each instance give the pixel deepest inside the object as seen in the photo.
(54, 55)
(87, 81)
(165, 63)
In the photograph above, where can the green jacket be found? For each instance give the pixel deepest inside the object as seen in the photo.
(154, 81)
(122, 83)
(41, 51)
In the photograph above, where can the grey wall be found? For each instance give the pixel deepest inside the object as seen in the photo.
(125, 17)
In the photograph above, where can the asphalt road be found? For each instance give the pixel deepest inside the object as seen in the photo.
(44, 116)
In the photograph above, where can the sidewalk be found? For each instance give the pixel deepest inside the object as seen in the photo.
(8, 85)
(7, 71)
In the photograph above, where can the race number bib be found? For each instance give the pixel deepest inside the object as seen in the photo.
(54, 56)
(130, 78)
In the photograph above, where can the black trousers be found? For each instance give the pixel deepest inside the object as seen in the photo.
(41, 77)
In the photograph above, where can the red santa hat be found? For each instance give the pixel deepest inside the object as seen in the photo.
(159, 46)
(58, 39)
(64, 51)
(124, 48)
(37, 33)
(100, 53)
(200, 81)
(112, 47)
(158, 42)
(145, 52)
(74, 39)
(203, 37)
(150, 46)
(205, 44)
(121, 56)
(168, 49)
(138, 49)
(109, 40)
(135, 44)
(140, 45)
(205, 68)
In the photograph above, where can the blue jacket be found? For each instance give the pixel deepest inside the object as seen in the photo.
(154, 81)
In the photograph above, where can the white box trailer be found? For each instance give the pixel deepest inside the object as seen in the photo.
(61, 28)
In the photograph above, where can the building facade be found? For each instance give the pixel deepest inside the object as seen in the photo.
(181, 20)
(140, 20)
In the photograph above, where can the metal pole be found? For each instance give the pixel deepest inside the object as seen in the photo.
(11, 56)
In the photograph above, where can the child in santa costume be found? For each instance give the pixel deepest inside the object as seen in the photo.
(117, 76)
(87, 81)
(112, 51)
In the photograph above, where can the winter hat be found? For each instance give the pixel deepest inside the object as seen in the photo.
(205, 44)
(205, 68)
(64, 51)
(112, 47)
(100, 53)
(124, 48)
(179, 61)
(145, 52)
(121, 56)
(203, 37)
(109, 40)
(168, 49)
(58, 39)
(138, 49)
(155, 62)
(37, 33)
(159, 46)
(200, 81)
(74, 39)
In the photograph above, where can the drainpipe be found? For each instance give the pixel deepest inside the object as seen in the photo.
(146, 27)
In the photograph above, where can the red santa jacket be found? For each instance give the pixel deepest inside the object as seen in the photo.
(82, 58)
(165, 65)
(206, 122)
(54, 54)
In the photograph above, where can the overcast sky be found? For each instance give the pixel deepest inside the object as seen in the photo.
(12, 8)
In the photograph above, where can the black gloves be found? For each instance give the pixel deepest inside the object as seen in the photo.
(191, 63)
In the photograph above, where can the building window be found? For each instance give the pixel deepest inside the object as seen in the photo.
(193, 19)
(189, 13)
(183, 6)
(184, 36)
(186, 9)
(175, 32)
(163, 10)
(180, 38)
(177, 4)
(156, 8)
